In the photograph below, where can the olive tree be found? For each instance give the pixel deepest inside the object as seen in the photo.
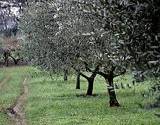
(106, 49)
(135, 24)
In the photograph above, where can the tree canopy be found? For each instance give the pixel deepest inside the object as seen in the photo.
(102, 37)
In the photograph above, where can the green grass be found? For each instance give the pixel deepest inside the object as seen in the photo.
(54, 102)
(10, 90)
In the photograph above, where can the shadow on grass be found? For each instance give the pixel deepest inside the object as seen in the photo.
(93, 95)
(68, 97)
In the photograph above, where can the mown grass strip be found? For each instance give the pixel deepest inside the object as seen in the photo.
(11, 90)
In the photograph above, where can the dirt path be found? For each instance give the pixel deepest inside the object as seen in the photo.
(16, 112)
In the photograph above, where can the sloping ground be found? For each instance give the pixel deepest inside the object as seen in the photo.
(11, 92)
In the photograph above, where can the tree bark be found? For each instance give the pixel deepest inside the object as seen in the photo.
(90, 87)
(112, 95)
(89, 79)
(6, 58)
(90, 83)
(78, 81)
(65, 75)
(111, 91)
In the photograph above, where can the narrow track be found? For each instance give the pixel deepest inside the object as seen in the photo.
(16, 113)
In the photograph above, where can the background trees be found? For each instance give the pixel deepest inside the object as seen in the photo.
(10, 12)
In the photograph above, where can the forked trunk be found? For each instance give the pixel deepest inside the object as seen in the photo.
(90, 79)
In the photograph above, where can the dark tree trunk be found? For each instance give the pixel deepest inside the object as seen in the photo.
(65, 75)
(5, 58)
(15, 60)
(111, 91)
(90, 86)
(78, 81)
(90, 83)
(90, 79)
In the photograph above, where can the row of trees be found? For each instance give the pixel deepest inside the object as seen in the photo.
(101, 37)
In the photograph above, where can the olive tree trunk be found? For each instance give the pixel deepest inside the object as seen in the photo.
(65, 75)
(111, 91)
(112, 94)
(90, 86)
(78, 81)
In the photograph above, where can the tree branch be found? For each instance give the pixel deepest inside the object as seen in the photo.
(121, 73)
(87, 68)
(102, 74)
(83, 75)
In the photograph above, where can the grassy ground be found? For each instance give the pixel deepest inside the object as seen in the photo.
(58, 103)
(11, 78)
(54, 102)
